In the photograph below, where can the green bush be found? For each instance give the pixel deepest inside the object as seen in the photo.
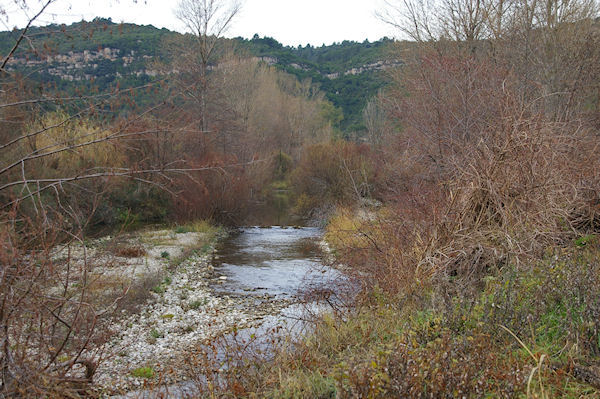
(143, 372)
(282, 166)
(198, 226)
(158, 289)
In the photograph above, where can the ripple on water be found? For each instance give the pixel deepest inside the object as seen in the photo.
(276, 260)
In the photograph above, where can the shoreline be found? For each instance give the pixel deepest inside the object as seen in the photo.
(184, 313)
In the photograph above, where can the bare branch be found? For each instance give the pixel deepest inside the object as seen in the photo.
(23, 34)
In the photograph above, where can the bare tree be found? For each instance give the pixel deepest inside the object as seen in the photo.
(207, 21)
(550, 46)
(414, 18)
(49, 327)
(375, 120)
(52, 172)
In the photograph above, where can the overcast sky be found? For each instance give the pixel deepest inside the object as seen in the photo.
(291, 22)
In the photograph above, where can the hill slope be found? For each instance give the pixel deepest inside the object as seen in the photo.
(102, 54)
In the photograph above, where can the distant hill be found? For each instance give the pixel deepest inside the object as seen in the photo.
(101, 54)
(348, 72)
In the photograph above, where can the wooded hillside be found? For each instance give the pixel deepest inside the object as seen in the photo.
(101, 54)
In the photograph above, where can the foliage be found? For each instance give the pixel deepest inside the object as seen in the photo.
(81, 158)
(154, 333)
(345, 230)
(89, 35)
(517, 339)
(75, 133)
(282, 166)
(132, 205)
(143, 372)
(348, 92)
(197, 304)
(159, 289)
(198, 226)
(478, 276)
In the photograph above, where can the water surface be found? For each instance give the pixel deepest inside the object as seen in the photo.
(276, 261)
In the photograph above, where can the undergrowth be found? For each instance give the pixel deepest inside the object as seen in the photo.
(198, 226)
(529, 330)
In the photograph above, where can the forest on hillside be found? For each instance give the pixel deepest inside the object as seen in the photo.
(465, 221)
(72, 57)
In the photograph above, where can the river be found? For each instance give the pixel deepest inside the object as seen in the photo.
(276, 264)
(266, 267)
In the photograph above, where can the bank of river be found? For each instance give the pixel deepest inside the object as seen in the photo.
(252, 281)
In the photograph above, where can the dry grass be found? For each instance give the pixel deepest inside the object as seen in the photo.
(134, 251)
(519, 339)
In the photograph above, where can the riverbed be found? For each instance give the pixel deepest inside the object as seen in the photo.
(254, 281)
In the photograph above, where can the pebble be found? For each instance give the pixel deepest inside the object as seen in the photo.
(186, 314)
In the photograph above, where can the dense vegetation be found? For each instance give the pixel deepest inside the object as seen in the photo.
(470, 221)
(205, 143)
(348, 92)
(99, 33)
(467, 221)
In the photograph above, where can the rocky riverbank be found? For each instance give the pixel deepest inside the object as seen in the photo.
(161, 295)
(181, 317)
(182, 311)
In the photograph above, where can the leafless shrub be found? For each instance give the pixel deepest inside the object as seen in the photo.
(233, 365)
(49, 326)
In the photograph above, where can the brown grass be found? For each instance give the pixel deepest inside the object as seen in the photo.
(134, 251)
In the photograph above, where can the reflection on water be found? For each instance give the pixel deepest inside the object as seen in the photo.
(275, 210)
(277, 261)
